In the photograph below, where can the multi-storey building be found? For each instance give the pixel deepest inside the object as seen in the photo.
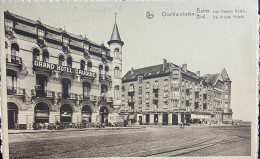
(171, 94)
(56, 76)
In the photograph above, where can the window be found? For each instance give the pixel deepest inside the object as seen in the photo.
(166, 82)
(8, 25)
(116, 53)
(61, 60)
(14, 50)
(100, 69)
(45, 56)
(147, 95)
(89, 66)
(140, 79)
(40, 34)
(117, 92)
(147, 104)
(65, 41)
(69, 61)
(82, 65)
(131, 87)
(176, 92)
(123, 88)
(117, 73)
(106, 70)
(165, 94)
(86, 90)
(140, 100)
(140, 90)
(175, 72)
(227, 87)
(156, 83)
(175, 81)
(36, 54)
(226, 96)
(147, 84)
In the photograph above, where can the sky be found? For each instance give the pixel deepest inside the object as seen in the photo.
(205, 45)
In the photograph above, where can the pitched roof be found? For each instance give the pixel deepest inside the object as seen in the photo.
(115, 37)
(146, 72)
(211, 79)
(115, 33)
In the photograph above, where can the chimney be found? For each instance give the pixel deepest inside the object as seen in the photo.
(184, 67)
(164, 64)
(132, 70)
(198, 73)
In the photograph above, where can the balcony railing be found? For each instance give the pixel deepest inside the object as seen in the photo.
(104, 77)
(15, 91)
(110, 99)
(13, 59)
(165, 99)
(88, 98)
(155, 87)
(197, 89)
(155, 98)
(131, 101)
(50, 94)
(37, 92)
(67, 95)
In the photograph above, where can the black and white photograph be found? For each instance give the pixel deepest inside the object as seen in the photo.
(129, 79)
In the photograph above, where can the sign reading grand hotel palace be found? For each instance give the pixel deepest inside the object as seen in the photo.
(51, 66)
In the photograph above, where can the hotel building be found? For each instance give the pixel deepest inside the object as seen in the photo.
(56, 76)
(169, 94)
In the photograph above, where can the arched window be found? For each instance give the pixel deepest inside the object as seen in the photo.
(61, 60)
(89, 66)
(82, 65)
(147, 84)
(116, 53)
(14, 49)
(117, 73)
(100, 69)
(69, 61)
(156, 83)
(6, 45)
(131, 87)
(36, 54)
(117, 92)
(106, 70)
(166, 82)
(45, 56)
(140, 79)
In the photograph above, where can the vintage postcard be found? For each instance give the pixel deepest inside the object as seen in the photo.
(129, 79)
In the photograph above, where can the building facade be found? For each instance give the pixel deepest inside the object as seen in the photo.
(169, 94)
(55, 76)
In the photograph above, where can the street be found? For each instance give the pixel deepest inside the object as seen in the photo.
(153, 141)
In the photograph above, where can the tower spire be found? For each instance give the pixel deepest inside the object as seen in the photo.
(115, 37)
(115, 16)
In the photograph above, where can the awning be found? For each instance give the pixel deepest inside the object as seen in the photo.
(132, 116)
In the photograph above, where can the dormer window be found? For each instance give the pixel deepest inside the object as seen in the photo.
(140, 79)
(40, 34)
(65, 41)
(8, 25)
(166, 82)
(175, 72)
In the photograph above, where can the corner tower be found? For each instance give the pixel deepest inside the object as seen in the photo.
(115, 45)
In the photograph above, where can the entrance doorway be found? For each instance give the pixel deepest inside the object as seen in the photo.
(86, 114)
(104, 115)
(12, 115)
(140, 120)
(65, 113)
(147, 118)
(155, 118)
(174, 119)
(165, 119)
(41, 112)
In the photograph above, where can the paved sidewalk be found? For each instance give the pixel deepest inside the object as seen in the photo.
(70, 129)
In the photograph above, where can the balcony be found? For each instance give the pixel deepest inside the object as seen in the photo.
(12, 60)
(43, 93)
(87, 74)
(72, 96)
(15, 91)
(104, 78)
(88, 98)
(228, 111)
(175, 85)
(130, 110)
(131, 92)
(110, 99)
(176, 98)
(165, 99)
(155, 99)
(131, 102)
(155, 88)
(197, 89)
(197, 100)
